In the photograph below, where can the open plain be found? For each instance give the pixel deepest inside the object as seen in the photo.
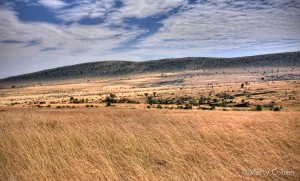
(215, 124)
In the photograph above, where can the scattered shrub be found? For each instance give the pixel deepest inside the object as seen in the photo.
(76, 101)
(215, 100)
(207, 108)
(179, 107)
(244, 104)
(150, 100)
(258, 108)
(276, 109)
(224, 95)
(188, 107)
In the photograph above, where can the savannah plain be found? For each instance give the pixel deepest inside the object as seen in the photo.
(215, 124)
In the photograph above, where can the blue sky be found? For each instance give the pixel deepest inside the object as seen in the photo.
(42, 34)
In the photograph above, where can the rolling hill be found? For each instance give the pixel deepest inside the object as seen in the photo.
(117, 68)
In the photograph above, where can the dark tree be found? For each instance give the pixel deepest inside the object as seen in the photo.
(154, 94)
(150, 100)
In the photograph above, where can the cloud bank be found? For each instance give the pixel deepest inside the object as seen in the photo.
(94, 30)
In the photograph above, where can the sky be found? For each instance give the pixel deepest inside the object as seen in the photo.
(42, 34)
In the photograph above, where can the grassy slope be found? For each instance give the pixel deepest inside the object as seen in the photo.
(117, 68)
(110, 143)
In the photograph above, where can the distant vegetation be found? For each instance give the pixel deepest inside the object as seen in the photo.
(115, 68)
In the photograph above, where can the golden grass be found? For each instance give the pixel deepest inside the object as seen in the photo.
(126, 144)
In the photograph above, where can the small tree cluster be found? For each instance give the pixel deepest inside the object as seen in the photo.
(110, 99)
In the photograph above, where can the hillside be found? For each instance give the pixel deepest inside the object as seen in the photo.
(116, 68)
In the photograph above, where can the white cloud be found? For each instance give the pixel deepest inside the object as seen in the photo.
(144, 8)
(48, 45)
(86, 9)
(106, 9)
(221, 25)
(53, 4)
(73, 35)
(195, 30)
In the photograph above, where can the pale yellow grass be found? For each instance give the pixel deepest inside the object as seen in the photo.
(126, 144)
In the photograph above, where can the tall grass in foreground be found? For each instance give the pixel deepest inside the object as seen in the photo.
(116, 144)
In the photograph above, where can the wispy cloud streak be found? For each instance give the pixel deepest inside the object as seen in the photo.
(91, 30)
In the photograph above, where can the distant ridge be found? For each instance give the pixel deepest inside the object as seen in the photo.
(116, 68)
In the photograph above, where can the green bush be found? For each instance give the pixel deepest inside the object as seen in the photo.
(215, 100)
(258, 108)
(276, 109)
(179, 107)
(188, 107)
(158, 106)
(206, 108)
(110, 100)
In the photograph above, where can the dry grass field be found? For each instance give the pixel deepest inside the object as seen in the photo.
(229, 124)
(127, 144)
